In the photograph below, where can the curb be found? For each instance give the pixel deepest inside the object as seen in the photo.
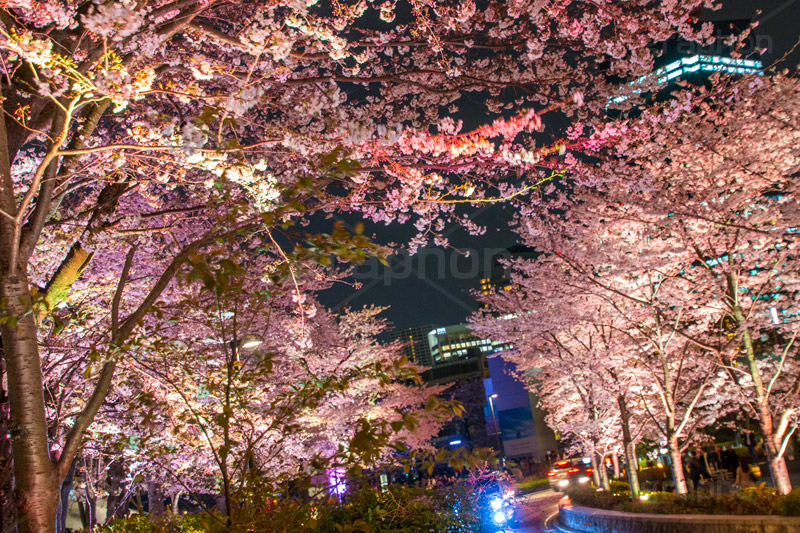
(551, 524)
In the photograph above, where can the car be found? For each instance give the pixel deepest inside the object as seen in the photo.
(569, 472)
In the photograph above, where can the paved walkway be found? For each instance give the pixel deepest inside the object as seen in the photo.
(535, 509)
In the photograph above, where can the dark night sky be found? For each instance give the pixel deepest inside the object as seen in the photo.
(433, 286)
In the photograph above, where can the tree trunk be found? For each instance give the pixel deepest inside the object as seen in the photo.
(7, 514)
(137, 502)
(777, 465)
(36, 482)
(677, 466)
(615, 462)
(175, 501)
(603, 473)
(117, 502)
(63, 504)
(91, 506)
(155, 499)
(633, 469)
(595, 471)
(630, 448)
(83, 512)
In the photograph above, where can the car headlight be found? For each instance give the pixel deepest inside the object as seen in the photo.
(496, 504)
(563, 483)
(583, 479)
(499, 518)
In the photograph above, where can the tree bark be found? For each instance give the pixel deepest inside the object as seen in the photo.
(155, 499)
(780, 474)
(36, 480)
(117, 502)
(677, 466)
(595, 471)
(7, 514)
(603, 473)
(630, 448)
(777, 464)
(63, 504)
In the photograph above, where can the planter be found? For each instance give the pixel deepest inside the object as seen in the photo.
(591, 520)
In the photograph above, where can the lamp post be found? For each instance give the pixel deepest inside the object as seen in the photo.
(492, 397)
(233, 366)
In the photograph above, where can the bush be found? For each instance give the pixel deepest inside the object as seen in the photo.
(402, 509)
(789, 505)
(529, 485)
(198, 523)
(618, 486)
(756, 501)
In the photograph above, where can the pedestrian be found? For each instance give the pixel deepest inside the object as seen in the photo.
(717, 457)
(696, 470)
(745, 478)
(750, 442)
(731, 461)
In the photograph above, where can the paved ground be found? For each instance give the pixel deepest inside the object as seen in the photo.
(535, 509)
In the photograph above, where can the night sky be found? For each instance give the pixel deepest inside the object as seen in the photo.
(433, 286)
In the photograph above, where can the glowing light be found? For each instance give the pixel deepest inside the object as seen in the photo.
(644, 497)
(499, 517)
(496, 504)
(336, 481)
(251, 341)
(563, 483)
(455, 442)
(583, 479)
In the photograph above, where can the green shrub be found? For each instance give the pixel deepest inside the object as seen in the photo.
(754, 501)
(662, 497)
(789, 505)
(196, 523)
(402, 509)
(529, 485)
(616, 485)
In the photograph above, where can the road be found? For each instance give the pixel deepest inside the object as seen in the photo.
(534, 510)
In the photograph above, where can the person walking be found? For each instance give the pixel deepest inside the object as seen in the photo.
(696, 470)
(745, 478)
(731, 460)
(750, 442)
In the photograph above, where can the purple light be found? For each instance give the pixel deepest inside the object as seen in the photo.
(336, 481)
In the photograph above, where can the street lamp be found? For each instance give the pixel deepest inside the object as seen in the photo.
(492, 397)
(248, 341)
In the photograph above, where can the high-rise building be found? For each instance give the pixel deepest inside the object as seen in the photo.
(415, 343)
(677, 59)
(498, 278)
(453, 343)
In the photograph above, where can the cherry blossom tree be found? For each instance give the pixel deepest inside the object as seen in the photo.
(726, 214)
(137, 134)
(640, 300)
(696, 252)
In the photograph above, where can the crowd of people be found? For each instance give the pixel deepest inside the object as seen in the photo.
(710, 464)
